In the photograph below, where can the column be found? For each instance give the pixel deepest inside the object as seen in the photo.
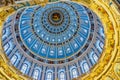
(78, 67)
(100, 38)
(6, 40)
(96, 51)
(68, 72)
(88, 61)
(43, 73)
(56, 77)
(31, 69)
(12, 53)
(20, 63)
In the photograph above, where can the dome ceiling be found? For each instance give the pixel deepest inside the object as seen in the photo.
(56, 39)
(55, 32)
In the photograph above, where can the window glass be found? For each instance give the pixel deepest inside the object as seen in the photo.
(13, 59)
(74, 73)
(24, 68)
(86, 67)
(49, 76)
(95, 57)
(62, 76)
(36, 74)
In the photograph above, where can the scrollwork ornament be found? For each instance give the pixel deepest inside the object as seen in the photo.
(117, 69)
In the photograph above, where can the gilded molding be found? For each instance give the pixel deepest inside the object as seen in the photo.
(108, 67)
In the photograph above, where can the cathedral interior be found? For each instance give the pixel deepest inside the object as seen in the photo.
(59, 39)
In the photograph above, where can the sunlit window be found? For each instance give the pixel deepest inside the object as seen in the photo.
(74, 73)
(24, 68)
(36, 74)
(62, 75)
(98, 45)
(49, 76)
(101, 45)
(6, 47)
(101, 32)
(86, 67)
(95, 57)
(13, 59)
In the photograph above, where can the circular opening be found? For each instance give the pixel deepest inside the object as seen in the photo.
(56, 17)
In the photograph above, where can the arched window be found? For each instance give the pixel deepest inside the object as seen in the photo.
(74, 73)
(101, 45)
(6, 47)
(62, 75)
(98, 46)
(49, 75)
(14, 59)
(24, 68)
(6, 33)
(86, 67)
(101, 32)
(36, 74)
(95, 57)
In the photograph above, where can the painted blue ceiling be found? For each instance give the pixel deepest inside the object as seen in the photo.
(37, 40)
(55, 40)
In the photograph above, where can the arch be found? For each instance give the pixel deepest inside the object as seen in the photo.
(101, 32)
(8, 47)
(24, 68)
(14, 59)
(36, 74)
(28, 67)
(98, 46)
(18, 54)
(84, 66)
(61, 75)
(73, 72)
(101, 45)
(93, 57)
(49, 75)
(6, 32)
